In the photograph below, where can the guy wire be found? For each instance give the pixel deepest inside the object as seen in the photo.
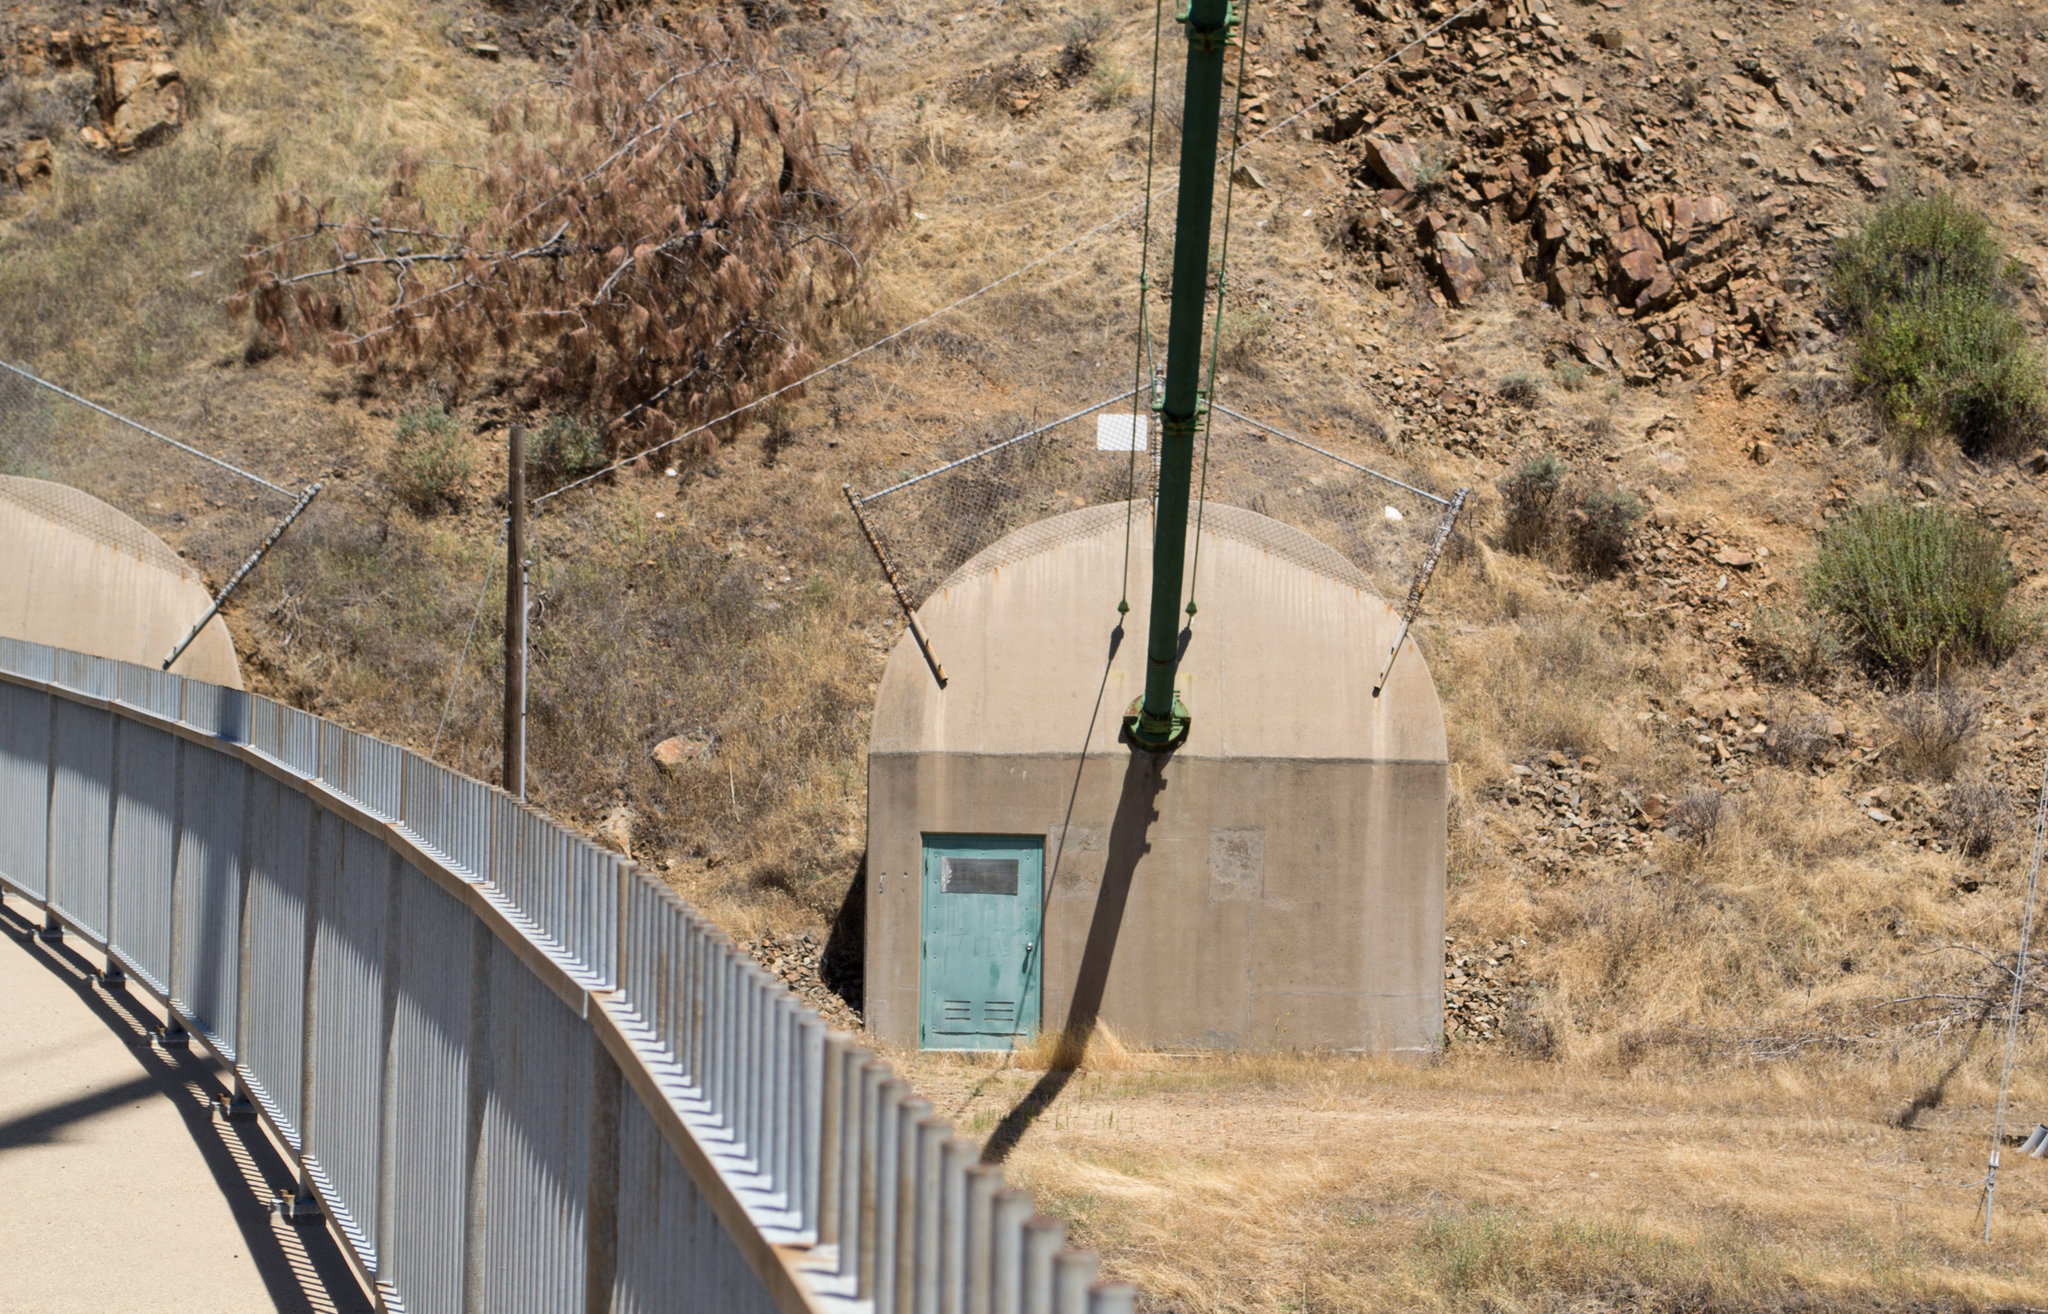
(490, 568)
(1141, 403)
(1222, 282)
(2019, 987)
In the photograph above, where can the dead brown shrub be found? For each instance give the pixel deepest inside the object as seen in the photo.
(1932, 731)
(1975, 814)
(666, 235)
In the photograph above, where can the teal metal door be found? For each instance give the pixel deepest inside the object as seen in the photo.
(981, 953)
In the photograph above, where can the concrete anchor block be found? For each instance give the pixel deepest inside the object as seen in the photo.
(295, 1207)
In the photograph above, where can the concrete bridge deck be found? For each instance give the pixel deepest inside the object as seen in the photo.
(118, 1191)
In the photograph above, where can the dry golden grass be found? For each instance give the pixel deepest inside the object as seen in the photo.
(1298, 1183)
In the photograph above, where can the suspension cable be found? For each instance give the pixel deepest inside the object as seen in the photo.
(1222, 283)
(1141, 422)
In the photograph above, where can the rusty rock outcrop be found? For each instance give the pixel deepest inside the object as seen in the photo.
(138, 94)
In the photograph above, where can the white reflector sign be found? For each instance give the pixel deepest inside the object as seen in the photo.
(1121, 433)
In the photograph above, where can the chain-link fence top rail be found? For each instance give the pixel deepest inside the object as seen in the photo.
(931, 525)
(214, 514)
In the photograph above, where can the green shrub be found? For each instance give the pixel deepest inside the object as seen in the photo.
(1109, 85)
(563, 449)
(1928, 290)
(1242, 337)
(430, 466)
(1601, 529)
(1910, 245)
(1911, 585)
(1954, 362)
(1530, 504)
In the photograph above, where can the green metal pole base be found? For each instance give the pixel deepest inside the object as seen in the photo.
(1156, 735)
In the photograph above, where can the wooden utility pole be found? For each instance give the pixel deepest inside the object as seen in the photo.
(514, 775)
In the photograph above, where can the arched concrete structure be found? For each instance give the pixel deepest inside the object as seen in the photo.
(1278, 881)
(83, 576)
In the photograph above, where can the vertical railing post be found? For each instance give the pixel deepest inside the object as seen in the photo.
(984, 1184)
(1006, 1264)
(831, 1133)
(304, 1204)
(52, 929)
(1112, 1298)
(513, 772)
(800, 1116)
(1073, 1272)
(1043, 1239)
(931, 1141)
(910, 1115)
(956, 1156)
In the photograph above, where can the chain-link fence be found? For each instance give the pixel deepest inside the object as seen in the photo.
(213, 512)
(924, 527)
(217, 517)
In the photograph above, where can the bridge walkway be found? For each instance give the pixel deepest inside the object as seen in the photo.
(118, 1190)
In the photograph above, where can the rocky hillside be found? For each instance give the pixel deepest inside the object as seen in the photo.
(1594, 232)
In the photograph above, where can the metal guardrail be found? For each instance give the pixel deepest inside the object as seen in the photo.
(515, 1071)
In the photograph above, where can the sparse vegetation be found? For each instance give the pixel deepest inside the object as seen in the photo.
(1521, 389)
(1109, 85)
(1500, 1256)
(1601, 528)
(1913, 584)
(1242, 337)
(1927, 290)
(1976, 814)
(1697, 816)
(1932, 731)
(1547, 511)
(1797, 645)
(1797, 740)
(562, 449)
(1531, 504)
(430, 465)
(1432, 174)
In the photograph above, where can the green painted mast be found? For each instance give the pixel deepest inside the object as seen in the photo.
(1159, 720)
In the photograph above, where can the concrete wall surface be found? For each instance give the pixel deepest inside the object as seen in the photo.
(1278, 881)
(83, 576)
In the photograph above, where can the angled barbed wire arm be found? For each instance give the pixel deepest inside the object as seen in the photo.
(889, 573)
(1413, 607)
(235, 581)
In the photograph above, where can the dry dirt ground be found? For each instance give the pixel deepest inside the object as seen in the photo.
(1721, 1020)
